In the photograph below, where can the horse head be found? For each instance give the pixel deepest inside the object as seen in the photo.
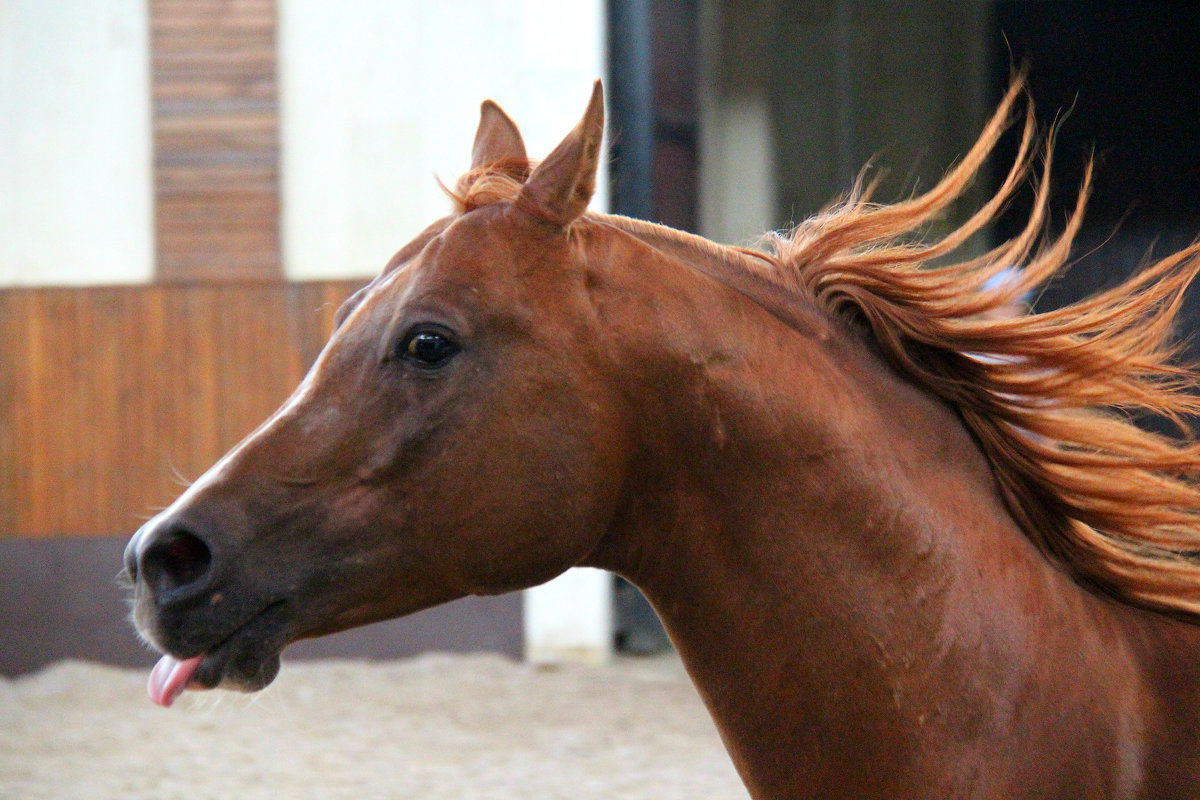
(455, 437)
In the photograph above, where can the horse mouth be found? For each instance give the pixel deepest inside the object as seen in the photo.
(247, 659)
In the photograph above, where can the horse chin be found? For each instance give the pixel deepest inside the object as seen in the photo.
(246, 669)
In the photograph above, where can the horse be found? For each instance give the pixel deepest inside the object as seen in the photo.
(903, 546)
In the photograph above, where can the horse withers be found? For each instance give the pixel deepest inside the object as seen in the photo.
(905, 548)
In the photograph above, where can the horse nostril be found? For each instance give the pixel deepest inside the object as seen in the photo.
(177, 560)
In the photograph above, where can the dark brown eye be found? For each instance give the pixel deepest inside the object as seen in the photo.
(428, 349)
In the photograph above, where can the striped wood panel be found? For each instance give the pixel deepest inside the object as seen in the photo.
(216, 139)
(108, 394)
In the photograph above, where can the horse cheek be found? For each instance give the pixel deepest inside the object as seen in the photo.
(538, 508)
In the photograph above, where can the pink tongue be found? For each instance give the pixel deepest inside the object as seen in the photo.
(169, 678)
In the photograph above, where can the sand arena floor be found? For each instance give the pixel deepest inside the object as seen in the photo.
(437, 726)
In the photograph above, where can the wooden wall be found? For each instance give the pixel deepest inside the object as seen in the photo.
(214, 95)
(108, 396)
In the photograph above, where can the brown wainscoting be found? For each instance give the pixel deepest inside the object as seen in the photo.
(111, 396)
(60, 599)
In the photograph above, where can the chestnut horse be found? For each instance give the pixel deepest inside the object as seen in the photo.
(905, 548)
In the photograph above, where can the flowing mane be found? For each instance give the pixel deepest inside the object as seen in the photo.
(1048, 396)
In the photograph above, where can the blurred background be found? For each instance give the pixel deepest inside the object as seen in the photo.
(189, 188)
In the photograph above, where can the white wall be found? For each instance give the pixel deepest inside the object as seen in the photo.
(378, 98)
(75, 153)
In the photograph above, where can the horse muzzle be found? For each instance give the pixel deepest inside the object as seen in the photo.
(191, 603)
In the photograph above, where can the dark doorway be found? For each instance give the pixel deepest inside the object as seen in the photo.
(1124, 81)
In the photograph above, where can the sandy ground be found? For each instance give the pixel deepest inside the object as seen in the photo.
(433, 727)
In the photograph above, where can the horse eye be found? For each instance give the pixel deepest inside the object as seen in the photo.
(428, 349)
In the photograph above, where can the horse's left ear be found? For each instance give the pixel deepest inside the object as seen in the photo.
(497, 141)
(561, 187)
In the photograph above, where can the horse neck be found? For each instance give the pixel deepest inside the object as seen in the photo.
(758, 395)
(820, 538)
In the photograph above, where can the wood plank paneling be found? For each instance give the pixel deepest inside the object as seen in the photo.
(109, 396)
(216, 139)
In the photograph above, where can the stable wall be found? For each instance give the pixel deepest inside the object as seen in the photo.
(112, 397)
(184, 189)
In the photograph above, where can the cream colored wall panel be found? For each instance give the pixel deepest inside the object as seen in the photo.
(379, 98)
(75, 162)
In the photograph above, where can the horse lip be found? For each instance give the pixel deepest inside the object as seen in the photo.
(247, 658)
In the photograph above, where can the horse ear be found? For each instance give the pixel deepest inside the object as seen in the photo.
(560, 187)
(497, 141)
